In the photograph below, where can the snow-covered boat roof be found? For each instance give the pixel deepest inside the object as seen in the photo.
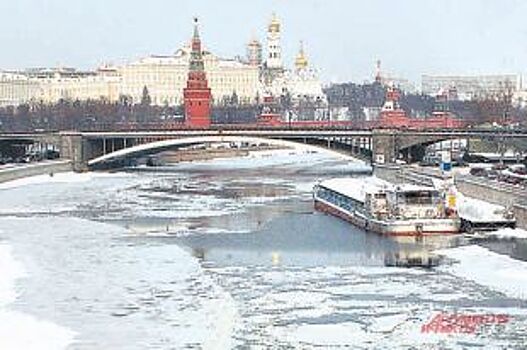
(412, 188)
(357, 188)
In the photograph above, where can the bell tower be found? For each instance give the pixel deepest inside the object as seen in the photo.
(197, 94)
(274, 47)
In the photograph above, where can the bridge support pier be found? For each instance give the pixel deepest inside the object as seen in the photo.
(384, 146)
(75, 148)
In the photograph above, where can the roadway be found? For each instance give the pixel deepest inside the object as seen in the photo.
(274, 132)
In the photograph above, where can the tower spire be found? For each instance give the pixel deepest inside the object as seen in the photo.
(196, 55)
(196, 29)
(378, 74)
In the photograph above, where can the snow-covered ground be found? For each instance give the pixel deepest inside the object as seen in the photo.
(18, 330)
(510, 233)
(493, 270)
(477, 210)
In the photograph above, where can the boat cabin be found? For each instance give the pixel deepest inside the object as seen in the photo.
(414, 202)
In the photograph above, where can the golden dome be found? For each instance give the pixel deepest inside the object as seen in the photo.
(254, 43)
(274, 26)
(301, 61)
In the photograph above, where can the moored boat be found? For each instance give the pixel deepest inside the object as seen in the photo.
(378, 206)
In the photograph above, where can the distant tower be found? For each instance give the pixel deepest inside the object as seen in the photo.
(378, 76)
(254, 52)
(274, 48)
(197, 94)
(301, 61)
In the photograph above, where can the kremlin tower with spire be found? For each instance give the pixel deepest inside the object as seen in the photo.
(197, 94)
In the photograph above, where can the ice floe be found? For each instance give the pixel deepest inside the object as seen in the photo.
(19, 330)
(496, 271)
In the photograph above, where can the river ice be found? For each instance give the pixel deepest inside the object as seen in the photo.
(195, 256)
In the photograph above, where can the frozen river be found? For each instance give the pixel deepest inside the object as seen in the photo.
(228, 254)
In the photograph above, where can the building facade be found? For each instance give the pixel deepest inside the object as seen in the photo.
(166, 76)
(470, 86)
(254, 53)
(17, 88)
(52, 85)
(302, 87)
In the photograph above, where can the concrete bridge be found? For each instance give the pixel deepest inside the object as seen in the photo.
(93, 149)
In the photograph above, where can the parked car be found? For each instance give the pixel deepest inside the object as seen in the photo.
(6, 160)
(51, 154)
(34, 157)
(479, 172)
(519, 170)
(512, 180)
(493, 174)
(499, 167)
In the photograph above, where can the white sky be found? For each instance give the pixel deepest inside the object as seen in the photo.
(343, 38)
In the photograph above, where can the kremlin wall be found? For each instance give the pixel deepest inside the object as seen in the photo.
(165, 77)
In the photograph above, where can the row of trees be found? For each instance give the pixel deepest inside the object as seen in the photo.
(494, 107)
(104, 114)
(82, 115)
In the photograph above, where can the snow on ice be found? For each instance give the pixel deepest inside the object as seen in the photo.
(496, 271)
(18, 330)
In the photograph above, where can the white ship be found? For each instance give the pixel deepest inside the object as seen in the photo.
(378, 206)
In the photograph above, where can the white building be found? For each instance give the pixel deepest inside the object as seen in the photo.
(16, 88)
(302, 83)
(470, 86)
(52, 85)
(254, 53)
(274, 47)
(166, 76)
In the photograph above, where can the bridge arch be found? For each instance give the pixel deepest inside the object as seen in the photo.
(159, 146)
(414, 148)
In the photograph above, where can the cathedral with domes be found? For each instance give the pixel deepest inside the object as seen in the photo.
(300, 85)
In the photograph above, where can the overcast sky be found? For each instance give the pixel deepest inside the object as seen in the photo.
(343, 38)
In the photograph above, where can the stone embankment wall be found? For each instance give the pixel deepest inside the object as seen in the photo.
(9, 174)
(398, 174)
(496, 193)
(520, 213)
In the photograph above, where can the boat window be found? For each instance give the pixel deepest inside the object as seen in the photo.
(338, 198)
(420, 197)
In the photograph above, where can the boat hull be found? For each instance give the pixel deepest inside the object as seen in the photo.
(416, 227)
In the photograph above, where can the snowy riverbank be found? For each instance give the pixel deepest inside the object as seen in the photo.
(19, 330)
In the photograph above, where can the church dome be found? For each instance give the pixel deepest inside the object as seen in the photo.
(301, 61)
(274, 26)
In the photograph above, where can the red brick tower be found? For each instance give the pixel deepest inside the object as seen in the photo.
(198, 97)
